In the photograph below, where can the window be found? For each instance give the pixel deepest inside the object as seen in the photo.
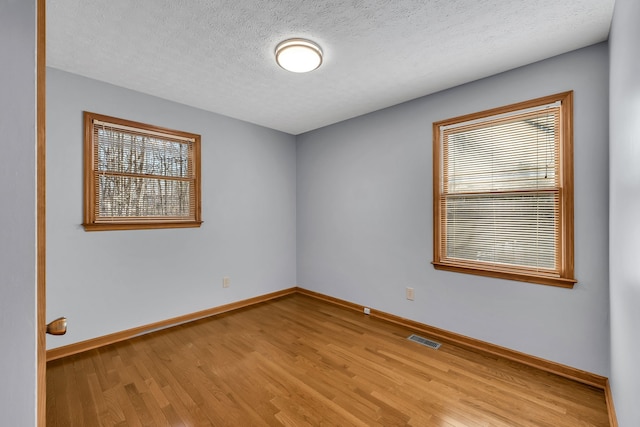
(503, 192)
(139, 176)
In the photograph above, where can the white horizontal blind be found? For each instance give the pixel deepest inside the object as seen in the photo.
(500, 189)
(142, 175)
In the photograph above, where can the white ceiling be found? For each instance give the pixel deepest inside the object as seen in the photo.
(217, 55)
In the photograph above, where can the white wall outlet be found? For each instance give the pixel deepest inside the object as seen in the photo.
(367, 310)
(410, 294)
(226, 281)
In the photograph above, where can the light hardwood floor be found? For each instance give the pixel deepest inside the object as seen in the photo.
(298, 361)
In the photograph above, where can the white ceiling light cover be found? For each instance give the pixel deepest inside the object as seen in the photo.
(298, 55)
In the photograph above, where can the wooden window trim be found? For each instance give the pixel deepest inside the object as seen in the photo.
(566, 276)
(90, 221)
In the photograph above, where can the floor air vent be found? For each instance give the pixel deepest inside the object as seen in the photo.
(431, 344)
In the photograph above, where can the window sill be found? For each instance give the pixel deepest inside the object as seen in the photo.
(139, 225)
(520, 277)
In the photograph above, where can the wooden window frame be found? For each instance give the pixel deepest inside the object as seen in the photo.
(565, 237)
(92, 222)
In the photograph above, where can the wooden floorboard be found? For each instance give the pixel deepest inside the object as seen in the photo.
(298, 361)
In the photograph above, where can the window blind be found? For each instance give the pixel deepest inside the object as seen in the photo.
(500, 188)
(142, 174)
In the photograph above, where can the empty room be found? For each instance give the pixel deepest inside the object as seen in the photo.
(428, 218)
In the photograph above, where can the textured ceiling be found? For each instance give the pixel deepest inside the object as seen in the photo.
(217, 55)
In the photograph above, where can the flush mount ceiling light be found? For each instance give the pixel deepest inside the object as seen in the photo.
(298, 55)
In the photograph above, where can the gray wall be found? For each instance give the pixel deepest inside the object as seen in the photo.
(624, 211)
(110, 281)
(17, 214)
(364, 202)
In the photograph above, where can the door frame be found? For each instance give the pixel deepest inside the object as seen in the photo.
(41, 346)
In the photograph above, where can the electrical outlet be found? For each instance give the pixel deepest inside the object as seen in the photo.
(226, 281)
(367, 310)
(410, 294)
